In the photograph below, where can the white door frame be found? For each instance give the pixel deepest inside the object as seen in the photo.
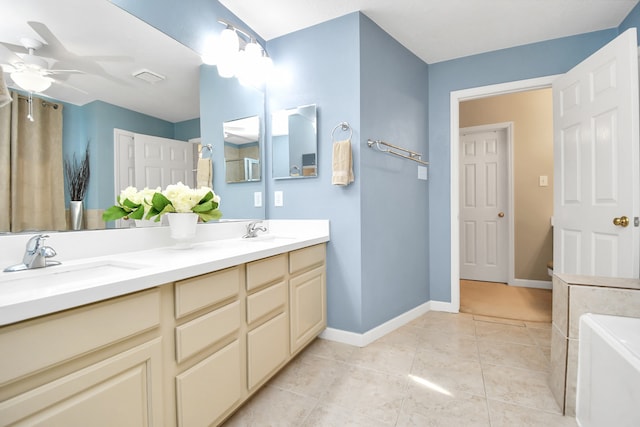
(456, 98)
(508, 128)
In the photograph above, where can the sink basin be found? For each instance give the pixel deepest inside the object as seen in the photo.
(62, 273)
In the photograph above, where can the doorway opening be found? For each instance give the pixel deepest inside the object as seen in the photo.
(456, 98)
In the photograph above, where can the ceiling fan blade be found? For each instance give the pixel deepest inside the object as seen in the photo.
(52, 46)
(63, 72)
(7, 56)
(8, 68)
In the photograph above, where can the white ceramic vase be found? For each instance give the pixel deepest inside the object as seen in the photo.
(183, 228)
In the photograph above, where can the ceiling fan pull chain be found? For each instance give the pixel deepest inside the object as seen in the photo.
(30, 102)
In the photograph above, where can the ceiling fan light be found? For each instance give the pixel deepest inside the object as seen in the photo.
(30, 80)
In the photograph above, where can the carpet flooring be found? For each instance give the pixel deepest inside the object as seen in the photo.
(507, 302)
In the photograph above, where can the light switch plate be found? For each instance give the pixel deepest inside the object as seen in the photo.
(543, 181)
(422, 173)
(278, 198)
(257, 199)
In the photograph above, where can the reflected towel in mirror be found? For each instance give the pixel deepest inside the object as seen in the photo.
(204, 174)
(342, 163)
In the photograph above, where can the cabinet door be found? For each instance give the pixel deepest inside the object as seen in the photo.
(124, 390)
(206, 392)
(308, 311)
(267, 349)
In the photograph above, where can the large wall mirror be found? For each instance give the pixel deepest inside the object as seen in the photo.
(294, 142)
(242, 149)
(86, 35)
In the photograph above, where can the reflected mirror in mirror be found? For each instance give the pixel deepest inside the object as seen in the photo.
(242, 149)
(294, 142)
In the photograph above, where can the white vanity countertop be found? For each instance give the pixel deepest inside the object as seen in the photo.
(84, 280)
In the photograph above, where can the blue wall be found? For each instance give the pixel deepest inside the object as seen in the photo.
(322, 65)
(394, 203)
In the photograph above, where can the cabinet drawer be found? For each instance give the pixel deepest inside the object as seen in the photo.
(305, 258)
(264, 271)
(39, 343)
(206, 330)
(266, 301)
(208, 390)
(267, 349)
(206, 290)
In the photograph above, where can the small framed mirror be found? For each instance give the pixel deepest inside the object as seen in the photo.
(294, 140)
(242, 149)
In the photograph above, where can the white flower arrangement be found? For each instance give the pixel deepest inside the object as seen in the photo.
(153, 203)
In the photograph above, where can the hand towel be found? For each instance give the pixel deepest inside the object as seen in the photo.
(342, 163)
(204, 173)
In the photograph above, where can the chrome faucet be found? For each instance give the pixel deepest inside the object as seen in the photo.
(253, 228)
(35, 255)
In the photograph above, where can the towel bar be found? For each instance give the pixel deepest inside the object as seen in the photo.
(411, 155)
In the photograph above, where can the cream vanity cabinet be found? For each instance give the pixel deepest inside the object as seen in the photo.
(101, 362)
(187, 353)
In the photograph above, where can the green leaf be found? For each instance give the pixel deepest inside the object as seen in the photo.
(159, 201)
(129, 204)
(210, 215)
(113, 213)
(138, 213)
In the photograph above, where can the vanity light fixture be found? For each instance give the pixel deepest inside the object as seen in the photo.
(238, 54)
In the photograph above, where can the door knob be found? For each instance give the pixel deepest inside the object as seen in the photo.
(623, 221)
(501, 214)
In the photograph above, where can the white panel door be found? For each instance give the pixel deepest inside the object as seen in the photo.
(162, 161)
(596, 161)
(483, 206)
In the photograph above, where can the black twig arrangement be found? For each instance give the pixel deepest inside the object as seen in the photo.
(77, 173)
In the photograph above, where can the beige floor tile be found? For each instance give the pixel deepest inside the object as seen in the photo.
(272, 406)
(309, 375)
(367, 392)
(499, 320)
(514, 355)
(426, 407)
(450, 373)
(506, 415)
(519, 387)
(406, 337)
(450, 325)
(383, 357)
(463, 346)
(542, 336)
(538, 325)
(490, 331)
(333, 416)
(331, 349)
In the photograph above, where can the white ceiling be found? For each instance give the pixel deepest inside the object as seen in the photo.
(108, 44)
(439, 30)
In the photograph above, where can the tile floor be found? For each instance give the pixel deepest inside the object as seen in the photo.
(441, 369)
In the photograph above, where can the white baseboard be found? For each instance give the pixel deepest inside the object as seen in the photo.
(537, 284)
(362, 340)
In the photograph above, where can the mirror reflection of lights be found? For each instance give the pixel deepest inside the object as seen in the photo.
(432, 386)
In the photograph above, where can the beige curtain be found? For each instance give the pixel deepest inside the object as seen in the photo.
(31, 177)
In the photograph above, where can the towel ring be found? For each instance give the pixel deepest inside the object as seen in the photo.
(344, 126)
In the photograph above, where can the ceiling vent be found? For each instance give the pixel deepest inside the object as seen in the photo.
(148, 76)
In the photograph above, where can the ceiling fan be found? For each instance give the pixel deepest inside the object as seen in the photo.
(28, 70)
